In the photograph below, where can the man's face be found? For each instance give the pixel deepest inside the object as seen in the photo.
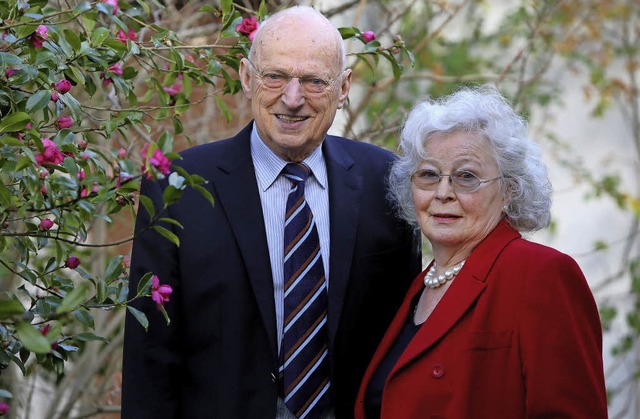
(293, 119)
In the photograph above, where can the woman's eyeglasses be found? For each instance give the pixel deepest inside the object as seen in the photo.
(275, 79)
(461, 180)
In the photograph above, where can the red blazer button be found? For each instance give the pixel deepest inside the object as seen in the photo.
(437, 371)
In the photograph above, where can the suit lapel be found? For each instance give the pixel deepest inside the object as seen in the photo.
(461, 295)
(235, 181)
(345, 187)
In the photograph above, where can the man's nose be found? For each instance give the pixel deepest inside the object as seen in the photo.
(293, 93)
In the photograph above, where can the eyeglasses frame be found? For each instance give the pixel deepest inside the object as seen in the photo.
(451, 184)
(289, 77)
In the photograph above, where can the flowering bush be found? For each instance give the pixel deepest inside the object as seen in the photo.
(79, 83)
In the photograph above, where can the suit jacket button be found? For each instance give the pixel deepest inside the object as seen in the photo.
(437, 371)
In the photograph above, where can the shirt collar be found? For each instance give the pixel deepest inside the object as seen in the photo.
(269, 165)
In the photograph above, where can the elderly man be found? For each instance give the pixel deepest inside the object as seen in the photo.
(282, 290)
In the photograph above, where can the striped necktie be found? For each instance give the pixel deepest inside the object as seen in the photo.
(304, 363)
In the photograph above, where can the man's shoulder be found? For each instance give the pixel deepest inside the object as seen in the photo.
(360, 149)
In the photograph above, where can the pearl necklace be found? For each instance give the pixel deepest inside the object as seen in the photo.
(431, 281)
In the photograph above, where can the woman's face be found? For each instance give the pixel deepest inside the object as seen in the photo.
(458, 221)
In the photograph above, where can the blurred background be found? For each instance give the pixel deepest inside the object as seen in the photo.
(572, 67)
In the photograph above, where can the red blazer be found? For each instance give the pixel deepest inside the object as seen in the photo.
(517, 335)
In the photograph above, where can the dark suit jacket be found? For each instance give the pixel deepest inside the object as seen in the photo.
(218, 358)
(517, 335)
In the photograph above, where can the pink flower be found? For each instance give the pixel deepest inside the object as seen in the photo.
(368, 36)
(159, 293)
(43, 190)
(62, 86)
(115, 69)
(82, 144)
(45, 224)
(81, 175)
(4, 408)
(64, 122)
(122, 153)
(54, 96)
(50, 153)
(174, 89)
(72, 262)
(39, 36)
(10, 72)
(41, 31)
(123, 36)
(248, 27)
(113, 3)
(157, 160)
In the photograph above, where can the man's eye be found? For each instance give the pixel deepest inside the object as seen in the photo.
(315, 81)
(274, 77)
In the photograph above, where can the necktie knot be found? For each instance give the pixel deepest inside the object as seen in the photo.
(296, 172)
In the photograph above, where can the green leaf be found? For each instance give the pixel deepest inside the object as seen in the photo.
(145, 284)
(222, 105)
(140, 316)
(171, 221)
(14, 122)
(167, 234)
(148, 205)
(99, 35)
(72, 300)
(9, 60)
(101, 292)
(205, 193)
(225, 5)
(73, 39)
(10, 307)
(73, 105)
(88, 337)
(32, 339)
(38, 101)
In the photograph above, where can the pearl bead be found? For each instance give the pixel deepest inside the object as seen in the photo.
(431, 281)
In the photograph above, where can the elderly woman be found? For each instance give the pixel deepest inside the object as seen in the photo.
(496, 326)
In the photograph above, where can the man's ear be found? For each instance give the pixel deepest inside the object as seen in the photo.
(344, 88)
(245, 78)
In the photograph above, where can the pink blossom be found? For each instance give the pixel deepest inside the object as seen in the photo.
(248, 27)
(157, 159)
(174, 89)
(50, 153)
(113, 3)
(72, 262)
(43, 190)
(45, 224)
(4, 408)
(10, 72)
(39, 36)
(115, 69)
(124, 36)
(54, 96)
(122, 153)
(41, 31)
(159, 293)
(82, 144)
(81, 175)
(64, 122)
(62, 86)
(368, 36)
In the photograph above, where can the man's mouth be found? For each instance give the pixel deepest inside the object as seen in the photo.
(287, 118)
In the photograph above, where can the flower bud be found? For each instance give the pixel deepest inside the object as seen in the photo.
(62, 86)
(45, 224)
(72, 262)
(64, 122)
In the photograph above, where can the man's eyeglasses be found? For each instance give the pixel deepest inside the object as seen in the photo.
(275, 79)
(461, 180)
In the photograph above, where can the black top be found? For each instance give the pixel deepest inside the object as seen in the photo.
(373, 394)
